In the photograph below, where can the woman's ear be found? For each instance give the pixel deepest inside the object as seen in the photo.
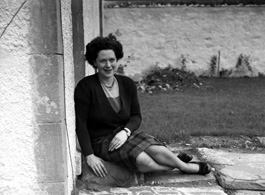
(94, 63)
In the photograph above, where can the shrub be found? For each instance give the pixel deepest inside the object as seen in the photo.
(213, 65)
(168, 78)
(120, 69)
(243, 62)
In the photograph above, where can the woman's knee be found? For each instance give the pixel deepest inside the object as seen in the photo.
(144, 162)
(156, 150)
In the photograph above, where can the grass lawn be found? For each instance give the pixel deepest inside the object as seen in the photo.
(224, 106)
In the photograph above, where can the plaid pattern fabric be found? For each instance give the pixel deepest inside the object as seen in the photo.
(127, 153)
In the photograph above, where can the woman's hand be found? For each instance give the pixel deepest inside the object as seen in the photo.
(96, 164)
(118, 140)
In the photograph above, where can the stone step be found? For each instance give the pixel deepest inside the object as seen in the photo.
(177, 178)
(120, 177)
(242, 173)
(151, 190)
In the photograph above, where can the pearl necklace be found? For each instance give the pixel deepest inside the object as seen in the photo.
(107, 86)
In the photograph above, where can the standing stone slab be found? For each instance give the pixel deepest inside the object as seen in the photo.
(49, 152)
(117, 177)
(239, 171)
(45, 28)
(47, 68)
(48, 84)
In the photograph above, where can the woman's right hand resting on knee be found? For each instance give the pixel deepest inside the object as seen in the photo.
(97, 165)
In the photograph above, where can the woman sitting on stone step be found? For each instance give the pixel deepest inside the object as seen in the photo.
(108, 118)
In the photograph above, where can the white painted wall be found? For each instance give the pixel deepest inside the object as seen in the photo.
(162, 35)
(18, 174)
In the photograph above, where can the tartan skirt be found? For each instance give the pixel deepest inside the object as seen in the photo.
(127, 153)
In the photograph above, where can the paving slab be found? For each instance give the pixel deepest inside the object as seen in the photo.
(149, 190)
(247, 192)
(236, 170)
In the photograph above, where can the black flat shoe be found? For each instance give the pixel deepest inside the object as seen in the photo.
(185, 157)
(204, 168)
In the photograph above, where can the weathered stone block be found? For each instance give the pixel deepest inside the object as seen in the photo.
(52, 188)
(45, 29)
(49, 153)
(48, 83)
(117, 177)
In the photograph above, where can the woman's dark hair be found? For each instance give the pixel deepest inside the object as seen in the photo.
(103, 43)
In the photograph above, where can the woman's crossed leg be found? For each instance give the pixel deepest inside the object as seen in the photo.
(159, 158)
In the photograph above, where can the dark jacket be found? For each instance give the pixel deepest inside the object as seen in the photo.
(95, 116)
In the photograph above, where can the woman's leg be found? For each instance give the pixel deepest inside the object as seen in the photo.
(146, 164)
(164, 157)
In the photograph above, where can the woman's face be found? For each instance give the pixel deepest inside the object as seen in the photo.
(106, 63)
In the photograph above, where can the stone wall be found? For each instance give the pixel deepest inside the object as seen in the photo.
(189, 35)
(33, 134)
(37, 81)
